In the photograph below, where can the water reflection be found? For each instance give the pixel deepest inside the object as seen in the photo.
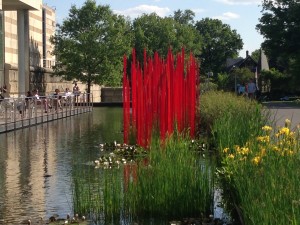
(36, 163)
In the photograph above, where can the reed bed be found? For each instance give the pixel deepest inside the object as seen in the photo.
(258, 163)
(174, 183)
(265, 174)
(245, 115)
(98, 193)
(171, 183)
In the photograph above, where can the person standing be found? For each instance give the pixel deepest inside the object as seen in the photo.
(242, 90)
(57, 100)
(251, 88)
(76, 91)
(4, 92)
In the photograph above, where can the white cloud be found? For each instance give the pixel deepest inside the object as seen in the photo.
(198, 10)
(240, 2)
(147, 9)
(227, 16)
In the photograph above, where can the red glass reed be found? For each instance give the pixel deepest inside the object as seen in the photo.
(163, 94)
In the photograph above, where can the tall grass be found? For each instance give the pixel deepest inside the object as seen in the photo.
(258, 164)
(265, 175)
(98, 193)
(217, 107)
(174, 184)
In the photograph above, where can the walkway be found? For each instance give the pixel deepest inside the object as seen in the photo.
(281, 111)
(17, 114)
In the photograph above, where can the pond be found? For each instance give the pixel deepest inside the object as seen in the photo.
(37, 164)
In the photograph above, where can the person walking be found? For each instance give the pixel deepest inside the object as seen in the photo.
(251, 89)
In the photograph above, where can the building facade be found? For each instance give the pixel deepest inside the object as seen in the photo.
(40, 23)
(25, 49)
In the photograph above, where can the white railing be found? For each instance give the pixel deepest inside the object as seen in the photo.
(23, 108)
(47, 63)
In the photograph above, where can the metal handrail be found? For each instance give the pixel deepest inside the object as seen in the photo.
(23, 108)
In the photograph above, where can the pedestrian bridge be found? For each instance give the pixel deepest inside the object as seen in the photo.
(17, 113)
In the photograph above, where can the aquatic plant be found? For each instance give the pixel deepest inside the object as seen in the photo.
(264, 174)
(171, 182)
(215, 105)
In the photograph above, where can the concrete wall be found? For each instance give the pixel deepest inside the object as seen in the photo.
(109, 94)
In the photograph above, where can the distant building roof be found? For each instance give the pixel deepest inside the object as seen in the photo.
(248, 62)
(21, 4)
(240, 62)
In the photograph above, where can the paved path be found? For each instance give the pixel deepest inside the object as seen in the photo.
(282, 111)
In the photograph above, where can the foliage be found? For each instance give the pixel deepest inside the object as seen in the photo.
(172, 183)
(264, 174)
(255, 55)
(90, 44)
(154, 33)
(220, 42)
(216, 104)
(279, 25)
(277, 82)
(174, 177)
(223, 80)
(226, 81)
(208, 85)
(186, 17)
(243, 75)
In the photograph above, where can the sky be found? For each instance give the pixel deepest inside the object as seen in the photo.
(240, 15)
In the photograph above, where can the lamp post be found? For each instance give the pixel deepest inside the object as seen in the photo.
(209, 74)
(235, 84)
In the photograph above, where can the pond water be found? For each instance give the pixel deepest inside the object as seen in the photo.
(36, 163)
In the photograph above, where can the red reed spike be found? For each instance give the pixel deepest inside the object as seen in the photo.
(162, 95)
(126, 102)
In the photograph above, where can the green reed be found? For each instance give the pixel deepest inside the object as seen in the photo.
(265, 175)
(173, 183)
(98, 193)
(259, 164)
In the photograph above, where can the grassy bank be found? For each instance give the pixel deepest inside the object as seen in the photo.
(258, 164)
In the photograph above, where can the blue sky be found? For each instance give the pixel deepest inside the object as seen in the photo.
(241, 15)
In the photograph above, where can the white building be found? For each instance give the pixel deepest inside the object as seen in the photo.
(26, 26)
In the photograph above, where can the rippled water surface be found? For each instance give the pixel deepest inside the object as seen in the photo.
(36, 163)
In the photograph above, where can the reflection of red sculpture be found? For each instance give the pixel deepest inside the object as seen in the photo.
(130, 174)
(163, 93)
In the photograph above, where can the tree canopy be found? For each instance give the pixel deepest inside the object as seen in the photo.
(280, 26)
(155, 33)
(90, 44)
(220, 42)
(184, 17)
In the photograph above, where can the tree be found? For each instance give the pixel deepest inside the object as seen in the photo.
(220, 42)
(155, 33)
(275, 83)
(90, 44)
(280, 26)
(255, 55)
(186, 17)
